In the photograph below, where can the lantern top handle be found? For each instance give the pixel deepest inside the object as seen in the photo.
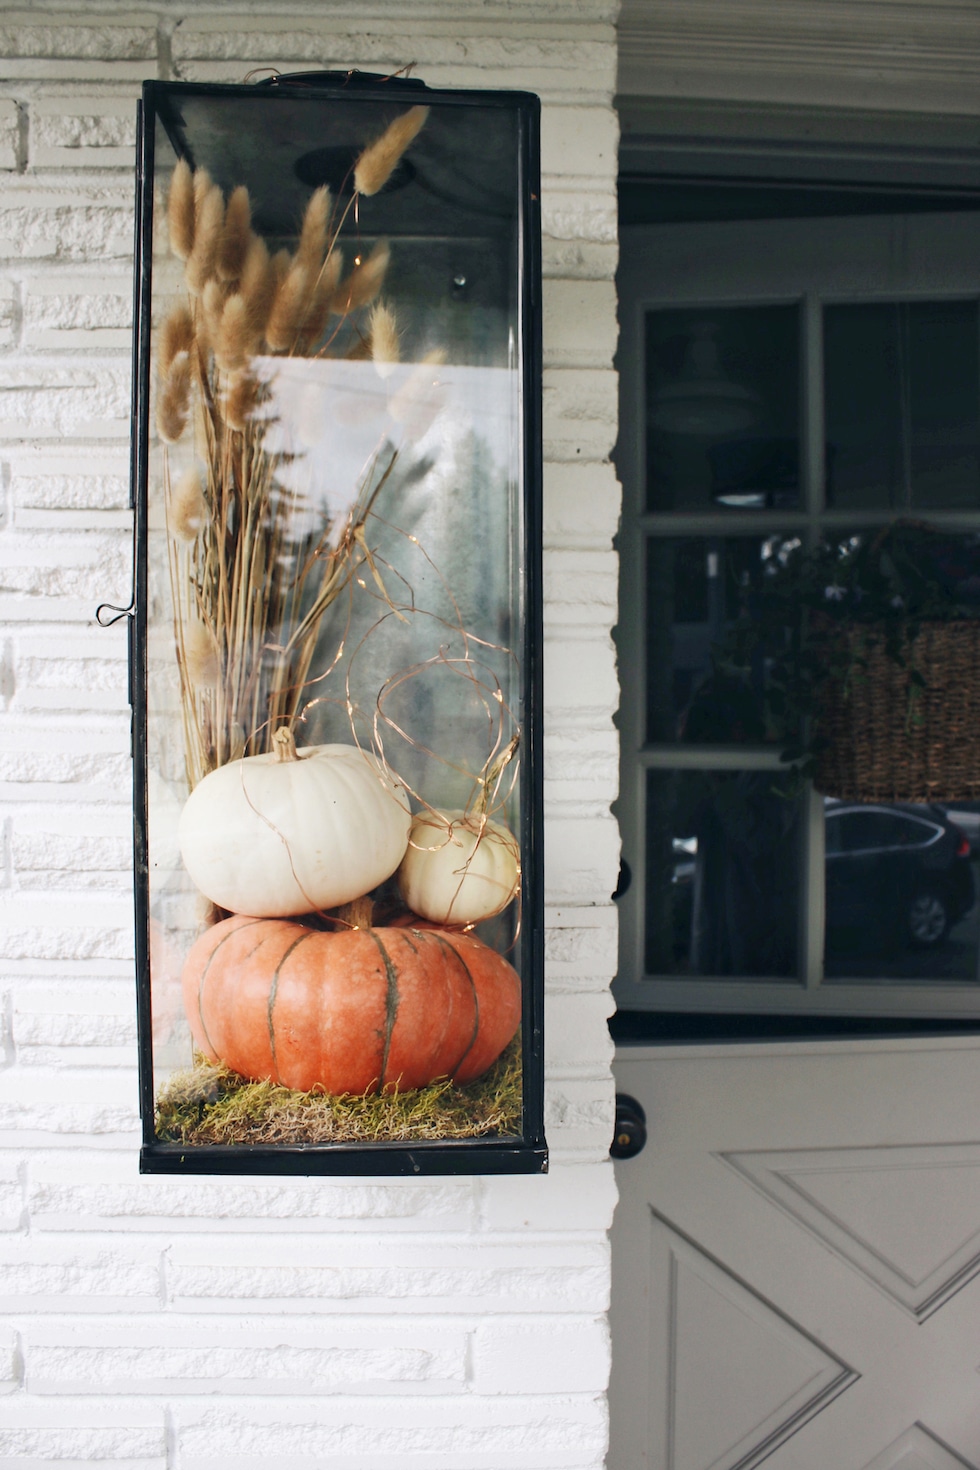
(350, 80)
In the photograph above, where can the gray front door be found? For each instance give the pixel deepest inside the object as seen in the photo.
(796, 1253)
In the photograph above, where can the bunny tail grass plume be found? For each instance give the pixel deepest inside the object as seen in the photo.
(376, 164)
(236, 235)
(333, 269)
(208, 224)
(257, 284)
(236, 337)
(278, 271)
(202, 183)
(363, 283)
(176, 335)
(180, 210)
(213, 299)
(313, 236)
(241, 400)
(200, 655)
(383, 331)
(188, 508)
(293, 300)
(174, 399)
(326, 285)
(316, 317)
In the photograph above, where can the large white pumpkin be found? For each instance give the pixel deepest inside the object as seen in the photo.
(293, 831)
(459, 869)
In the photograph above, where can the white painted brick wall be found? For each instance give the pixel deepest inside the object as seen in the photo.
(209, 1324)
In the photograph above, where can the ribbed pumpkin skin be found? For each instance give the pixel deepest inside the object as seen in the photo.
(274, 838)
(459, 869)
(348, 1012)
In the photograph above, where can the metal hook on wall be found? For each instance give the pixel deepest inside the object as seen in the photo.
(118, 613)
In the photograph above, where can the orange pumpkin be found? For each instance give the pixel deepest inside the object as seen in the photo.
(354, 1011)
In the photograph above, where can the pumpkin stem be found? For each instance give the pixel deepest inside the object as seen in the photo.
(284, 744)
(357, 914)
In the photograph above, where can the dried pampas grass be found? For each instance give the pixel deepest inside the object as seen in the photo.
(176, 335)
(383, 333)
(257, 284)
(236, 235)
(241, 400)
(213, 299)
(188, 513)
(289, 308)
(236, 337)
(363, 283)
(313, 235)
(251, 572)
(180, 210)
(173, 403)
(209, 222)
(201, 655)
(202, 183)
(377, 163)
(281, 262)
(318, 313)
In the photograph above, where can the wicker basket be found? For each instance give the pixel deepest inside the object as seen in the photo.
(877, 742)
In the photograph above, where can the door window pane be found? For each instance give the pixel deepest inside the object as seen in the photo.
(902, 403)
(723, 408)
(700, 591)
(901, 893)
(722, 875)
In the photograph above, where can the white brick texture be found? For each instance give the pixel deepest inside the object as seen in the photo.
(274, 1324)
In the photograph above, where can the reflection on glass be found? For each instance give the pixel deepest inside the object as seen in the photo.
(902, 405)
(901, 892)
(905, 570)
(701, 590)
(722, 408)
(722, 875)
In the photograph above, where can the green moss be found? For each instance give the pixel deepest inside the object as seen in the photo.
(213, 1105)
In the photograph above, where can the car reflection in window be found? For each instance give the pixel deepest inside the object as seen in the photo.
(897, 877)
(900, 898)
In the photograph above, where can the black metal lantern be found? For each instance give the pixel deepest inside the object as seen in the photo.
(336, 640)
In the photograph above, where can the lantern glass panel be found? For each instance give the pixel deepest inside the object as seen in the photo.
(334, 624)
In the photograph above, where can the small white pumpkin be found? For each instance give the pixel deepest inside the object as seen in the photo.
(459, 868)
(293, 831)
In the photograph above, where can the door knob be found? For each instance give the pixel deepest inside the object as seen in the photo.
(630, 1133)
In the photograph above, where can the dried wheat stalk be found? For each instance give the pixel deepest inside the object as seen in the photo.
(249, 586)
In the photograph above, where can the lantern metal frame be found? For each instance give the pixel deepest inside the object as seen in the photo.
(528, 1153)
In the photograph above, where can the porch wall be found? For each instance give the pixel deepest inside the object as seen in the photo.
(456, 1324)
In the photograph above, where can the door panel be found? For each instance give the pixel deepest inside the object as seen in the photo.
(908, 1219)
(796, 1259)
(918, 1450)
(728, 1347)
